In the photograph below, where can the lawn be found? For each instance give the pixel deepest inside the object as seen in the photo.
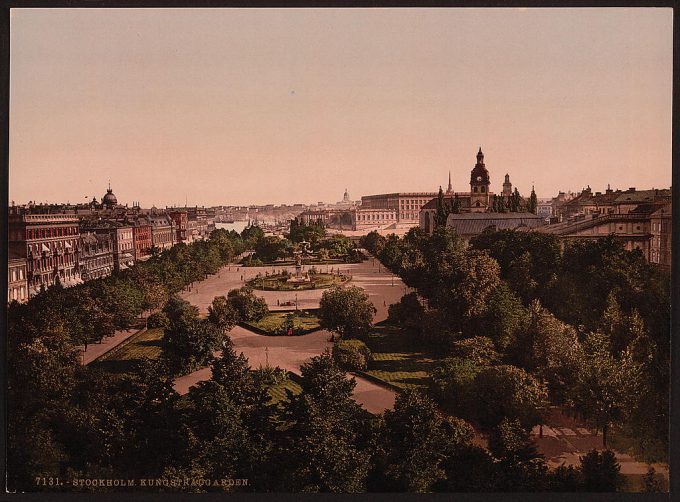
(123, 358)
(395, 361)
(280, 282)
(307, 320)
(278, 391)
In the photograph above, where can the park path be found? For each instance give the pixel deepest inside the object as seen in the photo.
(290, 352)
(96, 350)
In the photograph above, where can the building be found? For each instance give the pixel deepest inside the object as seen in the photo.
(122, 239)
(109, 201)
(141, 235)
(17, 282)
(661, 224)
(469, 225)
(49, 244)
(95, 257)
(163, 231)
(480, 198)
(390, 208)
(181, 220)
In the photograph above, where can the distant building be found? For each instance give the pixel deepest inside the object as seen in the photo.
(662, 231)
(95, 257)
(141, 235)
(49, 244)
(162, 231)
(181, 220)
(122, 239)
(17, 282)
(639, 219)
(480, 198)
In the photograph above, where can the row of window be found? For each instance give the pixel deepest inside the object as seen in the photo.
(44, 233)
(19, 294)
(17, 274)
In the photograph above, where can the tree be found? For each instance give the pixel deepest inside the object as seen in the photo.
(503, 319)
(271, 248)
(605, 388)
(452, 385)
(479, 349)
(532, 205)
(507, 391)
(407, 314)
(320, 447)
(551, 350)
(346, 311)
(519, 466)
(417, 442)
(351, 355)
(247, 306)
(222, 314)
(601, 472)
(251, 235)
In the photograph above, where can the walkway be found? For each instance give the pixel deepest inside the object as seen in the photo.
(291, 352)
(96, 350)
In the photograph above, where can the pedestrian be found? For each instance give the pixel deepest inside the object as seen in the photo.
(277, 303)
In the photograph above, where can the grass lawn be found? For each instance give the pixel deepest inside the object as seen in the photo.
(307, 320)
(278, 391)
(395, 362)
(280, 282)
(123, 358)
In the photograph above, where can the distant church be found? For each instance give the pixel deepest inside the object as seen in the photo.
(478, 200)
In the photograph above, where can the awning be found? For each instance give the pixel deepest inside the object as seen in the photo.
(45, 248)
(68, 245)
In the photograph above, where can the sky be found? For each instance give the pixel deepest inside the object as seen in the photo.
(256, 106)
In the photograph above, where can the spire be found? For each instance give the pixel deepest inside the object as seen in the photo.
(450, 188)
(480, 157)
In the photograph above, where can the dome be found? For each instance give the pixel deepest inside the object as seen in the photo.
(109, 199)
(479, 173)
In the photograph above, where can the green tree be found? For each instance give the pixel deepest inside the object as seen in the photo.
(351, 355)
(601, 472)
(507, 391)
(605, 387)
(248, 306)
(418, 441)
(222, 314)
(346, 311)
(479, 349)
(319, 448)
(519, 466)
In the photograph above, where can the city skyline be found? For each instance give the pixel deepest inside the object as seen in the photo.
(238, 107)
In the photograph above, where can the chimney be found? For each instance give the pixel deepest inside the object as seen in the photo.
(631, 189)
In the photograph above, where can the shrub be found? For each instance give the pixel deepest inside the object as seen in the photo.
(352, 355)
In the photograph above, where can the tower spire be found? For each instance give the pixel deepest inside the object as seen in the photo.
(450, 188)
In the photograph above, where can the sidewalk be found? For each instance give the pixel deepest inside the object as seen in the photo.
(96, 350)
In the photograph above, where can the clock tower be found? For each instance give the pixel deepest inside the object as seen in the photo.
(479, 186)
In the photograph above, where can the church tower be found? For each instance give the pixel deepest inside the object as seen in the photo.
(479, 185)
(507, 186)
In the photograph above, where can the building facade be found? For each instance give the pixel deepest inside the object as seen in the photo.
(181, 224)
(95, 257)
(17, 280)
(49, 244)
(162, 231)
(141, 235)
(661, 224)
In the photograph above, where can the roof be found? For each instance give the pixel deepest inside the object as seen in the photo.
(642, 195)
(476, 223)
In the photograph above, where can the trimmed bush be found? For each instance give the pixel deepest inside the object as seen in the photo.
(351, 355)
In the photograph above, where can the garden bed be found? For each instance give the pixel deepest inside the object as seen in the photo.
(280, 282)
(271, 324)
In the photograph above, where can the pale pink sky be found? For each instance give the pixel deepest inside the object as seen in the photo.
(229, 106)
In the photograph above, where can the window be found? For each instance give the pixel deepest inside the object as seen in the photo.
(474, 189)
(482, 189)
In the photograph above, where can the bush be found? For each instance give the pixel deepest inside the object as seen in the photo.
(351, 355)
(158, 320)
